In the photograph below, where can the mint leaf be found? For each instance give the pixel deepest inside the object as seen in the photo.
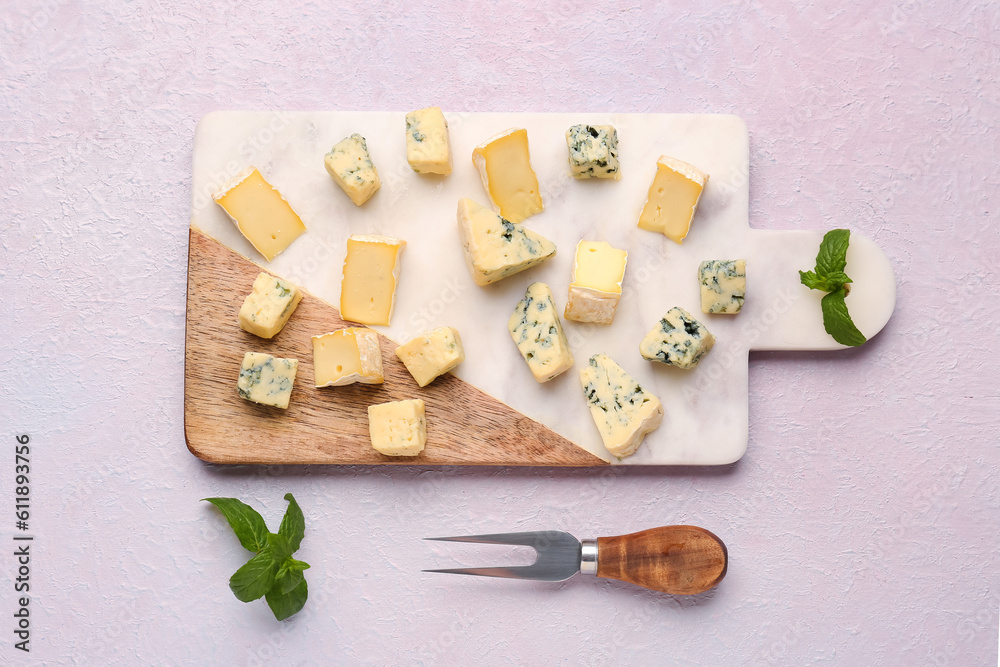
(832, 256)
(811, 280)
(279, 547)
(293, 524)
(272, 573)
(289, 575)
(248, 525)
(829, 277)
(255, 578)
(290, 566)
(284, 605)
(837, 321)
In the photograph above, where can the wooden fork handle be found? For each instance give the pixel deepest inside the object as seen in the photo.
(680, 560)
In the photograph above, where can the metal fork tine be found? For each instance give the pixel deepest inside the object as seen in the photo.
(522, 539)
(558, 555)
(522, 572)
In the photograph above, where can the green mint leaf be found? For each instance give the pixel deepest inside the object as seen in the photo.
(811, 280)
(836, 280)
(832, 257)
(828, 283)
(248, 525)
(293, 524)
(288, 583)
(279, 547)
(837, 321)
(255, 578)
(284, 605)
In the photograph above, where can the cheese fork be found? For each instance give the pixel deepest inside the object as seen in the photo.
(680, 560)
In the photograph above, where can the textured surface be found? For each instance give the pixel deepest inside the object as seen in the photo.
(861, 524)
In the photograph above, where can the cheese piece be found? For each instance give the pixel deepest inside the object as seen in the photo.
(432, 354)
(398, 428)
(673, 198)
(260, 213)
(266, 380)
(597, 282)
(678, 339)
(347, 356)
(723, 285)
(623, 411)
(268, 306)
(593, 151)
(505, 168)
(428, 149)
(495, 248)
(371, 272)
(538, 333)
(351, 167)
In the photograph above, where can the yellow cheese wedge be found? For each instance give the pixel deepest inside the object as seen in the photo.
(371, 271)
(505, 168)
(398, 428)
(347, 356)
(428, 149)
(260, 212)
(432, 354)
(597, 282)
(673, 198)
(268, 306)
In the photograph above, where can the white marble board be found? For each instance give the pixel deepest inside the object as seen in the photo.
(706, 420)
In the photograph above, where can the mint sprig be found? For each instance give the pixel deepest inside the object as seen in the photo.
(829, 277)
(272, 573)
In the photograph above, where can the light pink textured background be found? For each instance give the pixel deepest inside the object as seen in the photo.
(862, 522)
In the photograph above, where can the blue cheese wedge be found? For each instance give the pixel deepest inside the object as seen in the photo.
(593, 151)
(432, 354)
(428, 149)
(678, 340)
(622, 410)
(496, 248)
(350, 166)
(266, 380)
(268, 306)
(538, 333)
(398, 428)
(723, 285)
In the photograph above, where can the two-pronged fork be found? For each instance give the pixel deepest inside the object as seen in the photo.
(680, 560)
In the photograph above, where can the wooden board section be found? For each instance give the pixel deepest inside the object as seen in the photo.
(328, 425)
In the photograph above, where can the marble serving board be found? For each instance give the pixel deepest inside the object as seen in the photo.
(706, 421)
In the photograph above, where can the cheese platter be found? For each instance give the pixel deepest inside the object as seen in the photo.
(490, 409)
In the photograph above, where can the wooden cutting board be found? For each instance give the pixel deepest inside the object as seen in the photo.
(493, 412)
(329, 424)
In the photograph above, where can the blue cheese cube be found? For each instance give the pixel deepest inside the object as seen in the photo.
(268, 306)
(593, 151)
(428, 149)
(723, 285)
(266, 380)
(398, 428)
(678, 340)
(351, 167)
